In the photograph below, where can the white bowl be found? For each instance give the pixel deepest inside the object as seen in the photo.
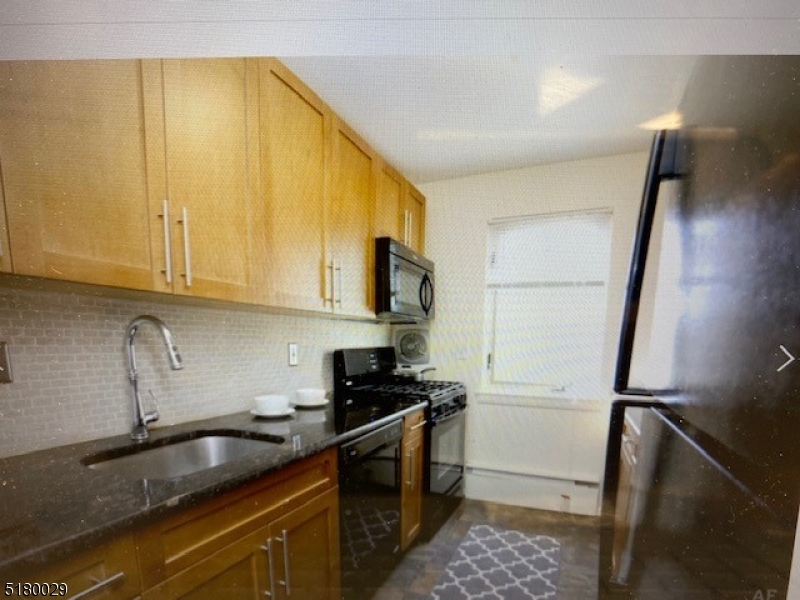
(310, 397)
(272, 404)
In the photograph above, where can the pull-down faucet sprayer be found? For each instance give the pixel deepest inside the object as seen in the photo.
(141, 418)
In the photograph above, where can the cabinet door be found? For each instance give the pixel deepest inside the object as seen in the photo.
(389, 204)
(411, 501)
(239, 570)
(305, 546)
(171, 545)
(210, 115)
(72, 147)
(109, 570)
(293, 130)
(348, 223)
(415, 211)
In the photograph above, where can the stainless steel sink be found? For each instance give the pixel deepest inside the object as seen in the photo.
(181, 455)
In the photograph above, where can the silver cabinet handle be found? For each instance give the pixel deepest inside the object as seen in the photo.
(167, 270)
(98, 585)
(410, 467)
(412, 470)
(338, 269)
(187, 246)
(268, 550)
(330, 297)
(410, 227)
(406, 227)
(418, 425)
(284, 539)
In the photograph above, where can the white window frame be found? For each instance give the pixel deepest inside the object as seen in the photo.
(596, 285)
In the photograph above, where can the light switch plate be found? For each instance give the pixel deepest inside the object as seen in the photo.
(292, 355)
(5, 364)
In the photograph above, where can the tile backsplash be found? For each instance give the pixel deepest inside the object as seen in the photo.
(70, 367)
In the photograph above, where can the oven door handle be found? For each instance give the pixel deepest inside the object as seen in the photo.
(451, 416)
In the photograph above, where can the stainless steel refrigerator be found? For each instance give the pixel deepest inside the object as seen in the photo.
(706, 505)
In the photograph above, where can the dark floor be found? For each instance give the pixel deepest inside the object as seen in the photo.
(423, 565)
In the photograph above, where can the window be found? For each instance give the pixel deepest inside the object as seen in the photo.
(547, 279)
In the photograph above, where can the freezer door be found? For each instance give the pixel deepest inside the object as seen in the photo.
(695, 531)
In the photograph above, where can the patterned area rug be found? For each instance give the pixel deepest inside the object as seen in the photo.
(499, 564)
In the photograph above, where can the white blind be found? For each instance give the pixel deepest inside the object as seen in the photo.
(546, 290)
(572, 247)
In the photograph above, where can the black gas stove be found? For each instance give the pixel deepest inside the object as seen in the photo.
(367, 388)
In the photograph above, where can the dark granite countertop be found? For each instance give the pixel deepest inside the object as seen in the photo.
(51, 505)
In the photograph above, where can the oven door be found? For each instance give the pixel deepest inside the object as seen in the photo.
(447, 455)
(444, 475)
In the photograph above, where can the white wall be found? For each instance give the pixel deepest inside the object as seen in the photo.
(547, 443)
(70, 368)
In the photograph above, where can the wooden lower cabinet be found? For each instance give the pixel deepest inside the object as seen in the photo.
(274, 538)
(296, 556)
(411, 473)
(109, 570)
(240, 570)
(305, 550)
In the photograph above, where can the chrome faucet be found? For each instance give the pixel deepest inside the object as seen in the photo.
(141, 418)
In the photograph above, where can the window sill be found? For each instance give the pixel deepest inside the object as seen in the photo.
(552, 400)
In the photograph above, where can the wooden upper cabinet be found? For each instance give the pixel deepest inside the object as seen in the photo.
(415, 211)
(349, 236)
(217, 178)
(399, 209)
(209, 173)
(293, 131)
(389, 204)
(317, 190)
(72, 150)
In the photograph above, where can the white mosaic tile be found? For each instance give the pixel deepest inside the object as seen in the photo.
(70, 367)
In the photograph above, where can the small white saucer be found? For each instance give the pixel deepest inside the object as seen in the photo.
(278, 415)
(310, 404)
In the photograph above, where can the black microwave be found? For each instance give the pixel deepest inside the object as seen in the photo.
(404, 290)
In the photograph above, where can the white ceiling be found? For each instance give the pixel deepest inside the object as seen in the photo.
(442, 88)
(439, 118)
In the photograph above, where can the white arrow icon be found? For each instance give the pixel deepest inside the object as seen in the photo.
(788, 362)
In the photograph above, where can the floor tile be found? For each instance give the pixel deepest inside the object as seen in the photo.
(423, 565)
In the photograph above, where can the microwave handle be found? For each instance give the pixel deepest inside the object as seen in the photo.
(430, 294)
(426, 293)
